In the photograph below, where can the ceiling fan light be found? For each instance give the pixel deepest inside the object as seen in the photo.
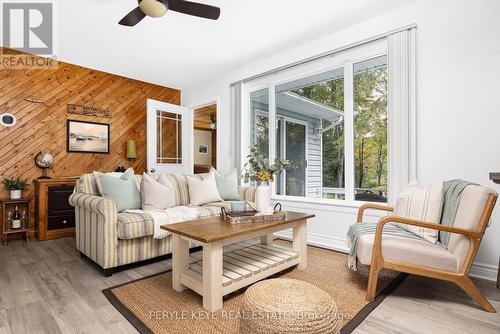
(153, 8)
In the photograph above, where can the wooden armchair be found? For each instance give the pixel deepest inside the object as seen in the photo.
(429, 260)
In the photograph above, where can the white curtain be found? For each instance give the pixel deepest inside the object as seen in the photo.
(402, 111)
(236, 91)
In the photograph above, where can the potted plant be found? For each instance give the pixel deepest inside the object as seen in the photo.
(16, 186)
(259, 170)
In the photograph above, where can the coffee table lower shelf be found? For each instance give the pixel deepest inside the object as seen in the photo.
(243, 267)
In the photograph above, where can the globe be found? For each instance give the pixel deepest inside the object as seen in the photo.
(44, 160)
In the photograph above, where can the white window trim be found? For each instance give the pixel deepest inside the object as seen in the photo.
(304, 123)
(349, 131)
(262, 113)
(404, 167)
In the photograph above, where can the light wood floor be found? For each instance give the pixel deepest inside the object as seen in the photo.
(45, 287)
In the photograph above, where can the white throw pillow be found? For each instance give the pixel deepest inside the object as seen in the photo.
(422, 203)
(203, 191)
(156, 194)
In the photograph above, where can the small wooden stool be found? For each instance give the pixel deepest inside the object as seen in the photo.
(287, 306)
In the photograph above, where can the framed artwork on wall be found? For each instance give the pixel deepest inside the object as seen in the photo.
(87, 137)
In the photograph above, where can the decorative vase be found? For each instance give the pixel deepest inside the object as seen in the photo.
(263, 197)
(15, 194)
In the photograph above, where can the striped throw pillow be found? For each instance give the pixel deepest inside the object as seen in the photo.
(422, 203)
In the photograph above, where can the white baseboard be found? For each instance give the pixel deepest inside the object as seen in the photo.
(319, 240)
(484, 271)
(479, 270)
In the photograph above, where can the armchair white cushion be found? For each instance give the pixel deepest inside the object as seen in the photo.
(414, 251)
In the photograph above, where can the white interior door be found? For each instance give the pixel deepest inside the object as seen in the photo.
(169, 134)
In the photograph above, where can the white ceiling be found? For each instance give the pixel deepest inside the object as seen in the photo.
(180, 51)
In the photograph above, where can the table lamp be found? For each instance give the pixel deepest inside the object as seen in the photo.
(131, 150)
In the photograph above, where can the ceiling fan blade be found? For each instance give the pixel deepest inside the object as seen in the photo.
(194, 8)
(132, 18)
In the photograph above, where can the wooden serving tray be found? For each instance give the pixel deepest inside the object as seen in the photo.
(251, 216)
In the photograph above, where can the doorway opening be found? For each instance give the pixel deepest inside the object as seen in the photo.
(205, 138)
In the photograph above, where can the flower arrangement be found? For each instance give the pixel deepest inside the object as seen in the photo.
(258, 169)
(15, 184)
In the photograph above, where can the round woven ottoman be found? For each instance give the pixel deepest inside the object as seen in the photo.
(283, 306)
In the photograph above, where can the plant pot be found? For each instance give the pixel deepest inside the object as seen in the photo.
(15, 194)
(263, 197)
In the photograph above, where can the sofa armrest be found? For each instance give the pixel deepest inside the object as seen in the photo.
(248, 193)
(96, 204)
(96, 220)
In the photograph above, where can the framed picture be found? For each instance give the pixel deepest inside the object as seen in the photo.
(203, 149)
(87, 137)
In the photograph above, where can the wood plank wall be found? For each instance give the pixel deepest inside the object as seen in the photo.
(203, 117)
(42, 127)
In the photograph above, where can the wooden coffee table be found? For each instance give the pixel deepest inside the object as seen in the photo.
(219, 274)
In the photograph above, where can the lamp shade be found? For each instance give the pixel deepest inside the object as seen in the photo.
(131, 149)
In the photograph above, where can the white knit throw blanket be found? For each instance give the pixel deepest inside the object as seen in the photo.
(168, 216)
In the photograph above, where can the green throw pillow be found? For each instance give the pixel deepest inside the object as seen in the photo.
(227, 185)
(122, 190)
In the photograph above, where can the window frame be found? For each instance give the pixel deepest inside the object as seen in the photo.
(345, 60)
(306, 125)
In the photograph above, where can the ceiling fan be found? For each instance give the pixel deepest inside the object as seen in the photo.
(158, 8)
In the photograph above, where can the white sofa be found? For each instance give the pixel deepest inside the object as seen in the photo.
(113, 239)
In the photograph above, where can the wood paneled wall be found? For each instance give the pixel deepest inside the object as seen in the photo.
(42, 127)
(203, 117)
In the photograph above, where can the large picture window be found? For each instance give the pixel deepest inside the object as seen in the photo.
(346, 120)
(332, 126)
(370, 130)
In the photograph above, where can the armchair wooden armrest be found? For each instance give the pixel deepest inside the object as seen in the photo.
(372, 206)
(421, 223)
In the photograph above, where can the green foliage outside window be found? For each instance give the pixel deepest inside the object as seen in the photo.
(370, 129)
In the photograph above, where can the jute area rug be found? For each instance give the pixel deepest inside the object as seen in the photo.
(152, 306)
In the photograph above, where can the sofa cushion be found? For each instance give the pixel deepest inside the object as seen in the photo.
(179, 187)
(227, 185)
(203, 191)
(115, 174)
(122, 190)
(90, 185)
(206, 211)
(156, 194)
(87, 185)
(134, 225)
(470, 209)
(138, 225)
(413, 251)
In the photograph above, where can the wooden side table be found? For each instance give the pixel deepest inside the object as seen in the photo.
(54, 216)
(8, 206)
